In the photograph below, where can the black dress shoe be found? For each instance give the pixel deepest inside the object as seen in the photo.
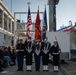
(1, 70)
(44, 70)
(37, 70)
(56, 71)
(18, 70)
(29, 70)
(21, 69)
(47, 70)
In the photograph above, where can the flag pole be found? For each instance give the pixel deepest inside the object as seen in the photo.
(11, 6)
(45, 5)
(38, 6)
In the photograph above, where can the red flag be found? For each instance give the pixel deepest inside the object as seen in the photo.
(37, 27)
(29, 22)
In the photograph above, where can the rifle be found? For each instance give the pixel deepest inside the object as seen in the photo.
(58, 43)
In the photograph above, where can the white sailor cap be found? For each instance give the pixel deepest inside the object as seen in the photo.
(55, 40)
(45, 39)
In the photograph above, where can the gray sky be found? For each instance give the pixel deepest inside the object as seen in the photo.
(66, 9)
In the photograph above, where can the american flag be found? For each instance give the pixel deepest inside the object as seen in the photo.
(65, 29)
(29, 22)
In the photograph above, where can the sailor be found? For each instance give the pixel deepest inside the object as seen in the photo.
(20, 54)
(29, 52)
(55, 51)
(37, 55)
(45, 54)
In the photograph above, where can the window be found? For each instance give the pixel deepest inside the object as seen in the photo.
(12, 27)
(0, 18)
(9, 25)
(5, 21)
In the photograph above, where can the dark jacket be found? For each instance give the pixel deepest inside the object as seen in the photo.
(54, 49)
(20, 46)
(1, 54)
(6, 53)
(47, 45)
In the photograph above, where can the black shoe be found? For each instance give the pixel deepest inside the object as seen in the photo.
(44, 70)
(37, 70)
(18, 70)
(29, 70)
(56, 71)
(14, 64)
(21, 69)
(1, 70)
(47, 70)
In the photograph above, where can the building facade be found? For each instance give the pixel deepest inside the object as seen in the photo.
(7, 28)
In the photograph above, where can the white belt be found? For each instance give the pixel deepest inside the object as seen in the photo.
(55, 53)
(19, 50)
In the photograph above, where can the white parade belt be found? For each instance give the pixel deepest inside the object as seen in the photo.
(20, 50)
(55, 53)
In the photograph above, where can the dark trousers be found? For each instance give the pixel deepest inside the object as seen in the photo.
(56, 60)
(29, 59)
(37, 62)
(45, 59)
(0, 65)
(20, 60)
(13, 59)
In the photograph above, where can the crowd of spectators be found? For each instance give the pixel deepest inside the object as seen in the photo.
(7, 57)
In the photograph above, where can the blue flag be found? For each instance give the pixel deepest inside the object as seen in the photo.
(44, 25)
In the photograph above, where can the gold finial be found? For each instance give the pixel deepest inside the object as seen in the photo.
(28, 3)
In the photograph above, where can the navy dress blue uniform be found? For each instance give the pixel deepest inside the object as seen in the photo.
(37, 56)
(28, 53)
(45, 48)
(55, 51)
(20, 55)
